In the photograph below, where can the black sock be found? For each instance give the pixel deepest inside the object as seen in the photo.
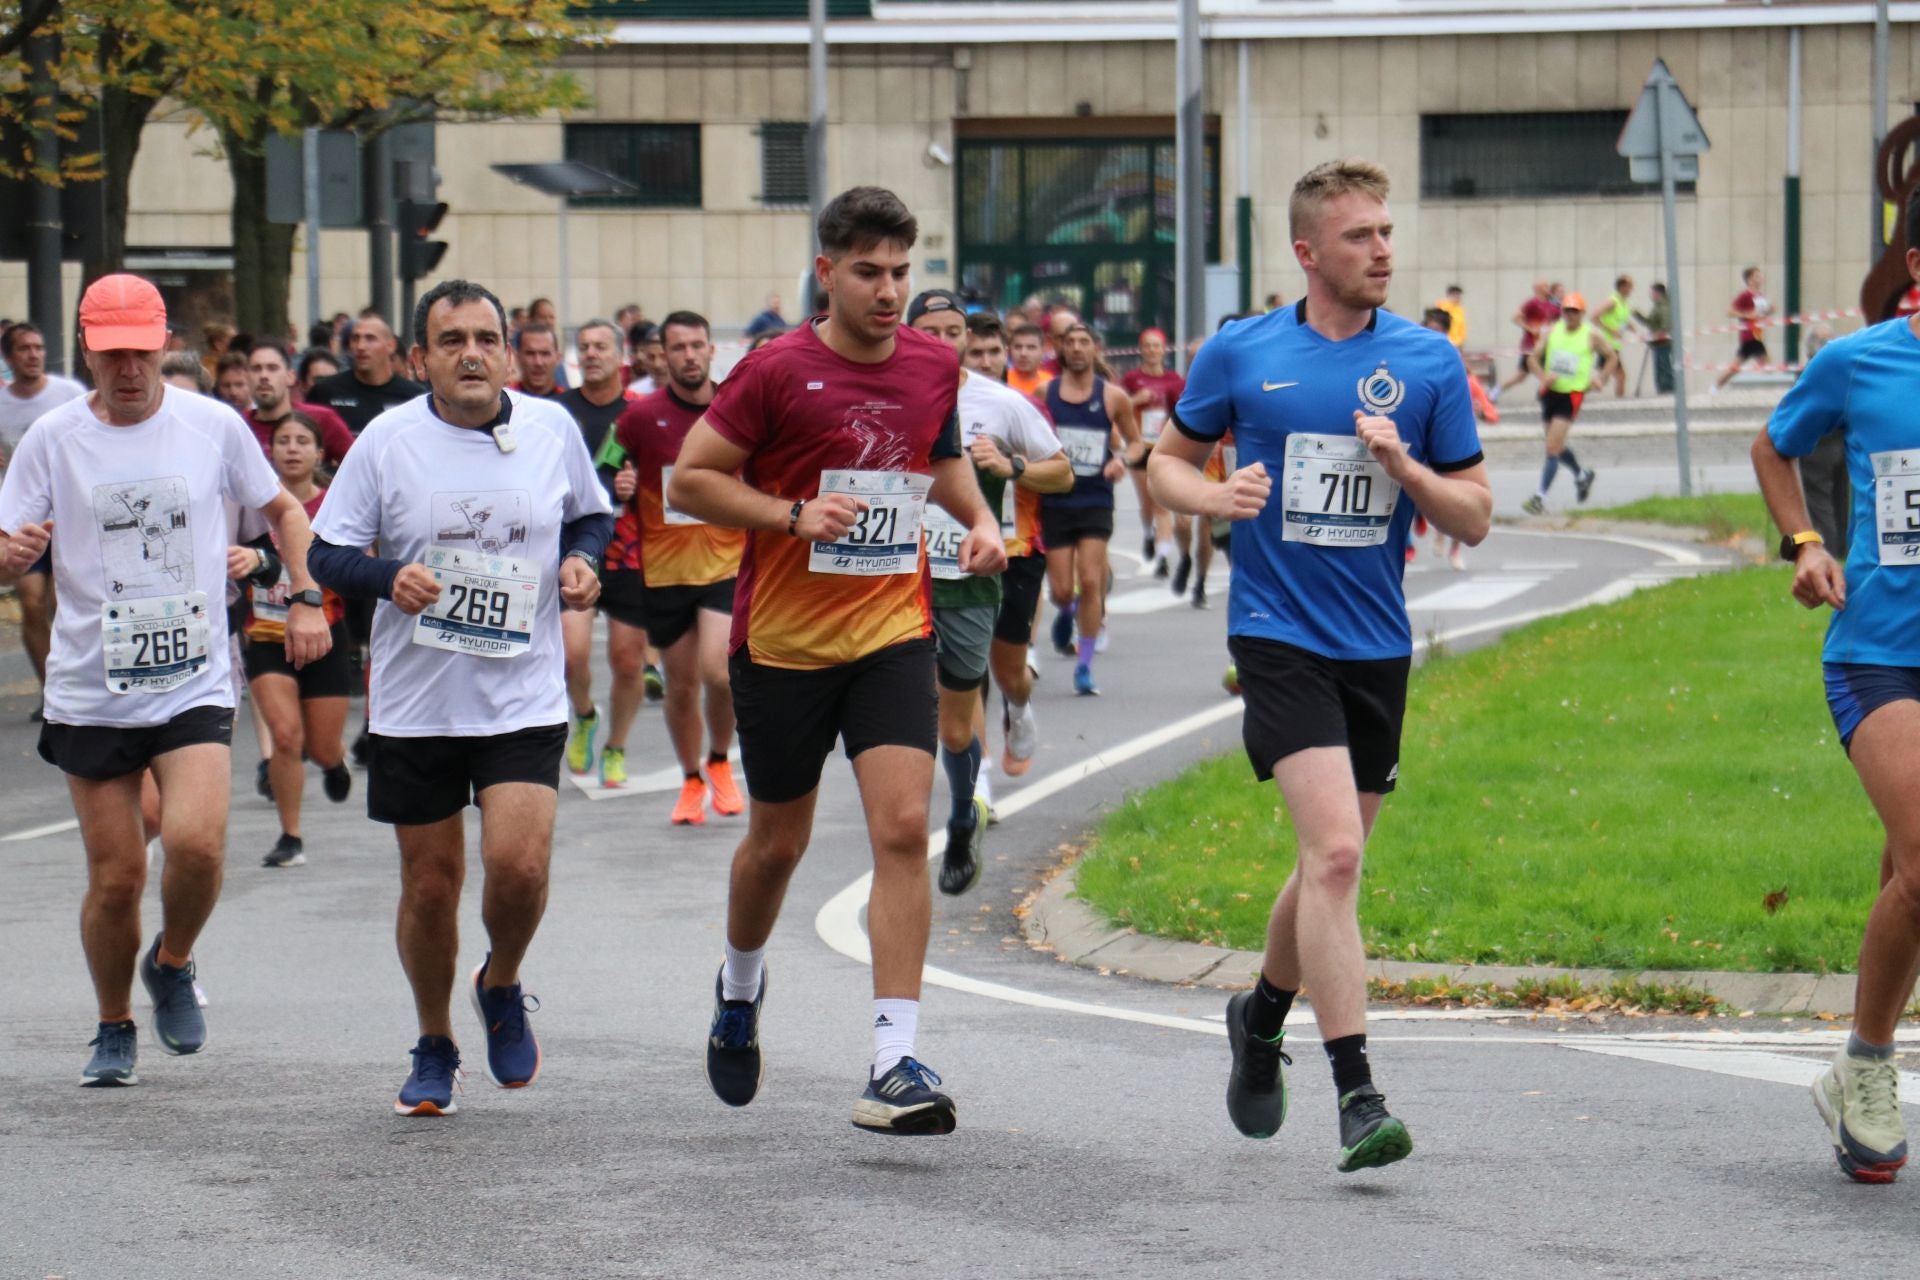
(1348, 1055)
(716, 757)
(1570, 462)
(694, 776)
(1267, 1011)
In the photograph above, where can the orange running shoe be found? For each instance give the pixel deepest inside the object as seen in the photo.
(726, 794)
(690, 810)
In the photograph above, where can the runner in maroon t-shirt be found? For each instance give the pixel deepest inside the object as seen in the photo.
(1533, 317)
(826, 445)
(271, 372)
(1751, 308)
(1155, 389)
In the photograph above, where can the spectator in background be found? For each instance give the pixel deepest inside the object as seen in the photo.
(216, 337)
(183, 369)
(536, 360)
(1275, 301)
(230, 382)
(1456, 313)
(176, 339)
(315, 363)
(1657, 320)
(541, 311)
(769, 320)
(321, 335)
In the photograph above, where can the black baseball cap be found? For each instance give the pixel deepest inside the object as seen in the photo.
(932, 300)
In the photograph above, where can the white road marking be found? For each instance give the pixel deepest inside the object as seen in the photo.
(1747, 1064)
(653, 782)
(51, 829)
(1154, 599)
(838, 921)
(1477, 593)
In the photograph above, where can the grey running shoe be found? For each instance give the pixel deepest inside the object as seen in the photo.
(1534, 506)
(178, 1023)
(115, 1050)
(1859, 1098)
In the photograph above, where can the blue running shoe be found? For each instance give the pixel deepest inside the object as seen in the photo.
(1063, 633)
(429, 1087)
(115, 1050)
(734, 1065)
(513, 1055)
(177, 1021)
(1083, 681)
(904, 1102)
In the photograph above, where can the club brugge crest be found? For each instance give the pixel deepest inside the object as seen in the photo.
(1381, 392)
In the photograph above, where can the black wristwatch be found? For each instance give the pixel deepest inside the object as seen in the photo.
(592, 562)
(310, 597)
(1019, 467)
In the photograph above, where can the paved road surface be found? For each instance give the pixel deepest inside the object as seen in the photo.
(1093, 1140)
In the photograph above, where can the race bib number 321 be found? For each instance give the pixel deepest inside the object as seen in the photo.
(1336, 494)
(885, 538)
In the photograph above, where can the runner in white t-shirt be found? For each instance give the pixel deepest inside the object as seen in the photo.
(490, 517)
(136, 476)
(32, 393)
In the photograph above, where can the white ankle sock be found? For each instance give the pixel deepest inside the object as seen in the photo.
(894, 1025)
(740, 979)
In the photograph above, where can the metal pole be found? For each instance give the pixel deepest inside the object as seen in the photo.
(45, 306)
(566, 275)
(1243, 205)
(310, 183)
(1673, 298)
(1878, 243)
(380, 230)
(1793, 193)
(1190, 226)
(816, 145)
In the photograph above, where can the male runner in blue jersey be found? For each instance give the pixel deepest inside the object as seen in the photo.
(1360, 416)
(1864, 386)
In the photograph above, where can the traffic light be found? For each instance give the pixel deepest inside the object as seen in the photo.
(419, 254)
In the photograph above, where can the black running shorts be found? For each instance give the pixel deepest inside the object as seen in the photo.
(1064, 527)
(1020, 588)
(1296, 699)
(788, 720)
(623, 597)
(99, 753)
(418, 781)
(673, 611)
(331, 677)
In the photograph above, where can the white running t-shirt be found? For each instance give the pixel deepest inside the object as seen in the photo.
(17, 413)
(140, 524)
(428, 492)
(1010, 419)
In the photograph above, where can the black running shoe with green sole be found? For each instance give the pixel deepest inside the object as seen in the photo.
(1369, 1137)
(1256, 1087)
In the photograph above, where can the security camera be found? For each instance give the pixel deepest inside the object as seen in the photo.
(939, 155)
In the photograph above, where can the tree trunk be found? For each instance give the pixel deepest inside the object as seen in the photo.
(122, 117)
(262, 250)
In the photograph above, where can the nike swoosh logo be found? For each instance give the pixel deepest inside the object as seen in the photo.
(1276, 386)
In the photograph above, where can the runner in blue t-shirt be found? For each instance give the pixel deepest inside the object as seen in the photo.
(1865, 386)
(1359, 416)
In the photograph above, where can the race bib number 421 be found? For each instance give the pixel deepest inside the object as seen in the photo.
(1336, 494)
(885, 538)
(1896, 506)
(486, 606)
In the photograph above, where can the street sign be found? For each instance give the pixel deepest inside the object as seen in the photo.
(339, 179)
(1662, 110)
(1647, 168)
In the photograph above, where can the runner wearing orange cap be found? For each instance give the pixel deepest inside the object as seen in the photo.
(1566, 360)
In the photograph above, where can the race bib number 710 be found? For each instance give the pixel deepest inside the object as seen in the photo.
(1336, 494)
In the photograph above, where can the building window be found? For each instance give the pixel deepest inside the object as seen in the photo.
(662, 160)
(1524, 155)
(783, 163)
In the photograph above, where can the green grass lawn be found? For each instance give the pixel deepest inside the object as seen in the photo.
(1620, 787)
(1722, 515)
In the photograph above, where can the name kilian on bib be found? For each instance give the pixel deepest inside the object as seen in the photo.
(1336, 494)
(885, 538)
(1896, 505)
(486, 605)
(155, 644)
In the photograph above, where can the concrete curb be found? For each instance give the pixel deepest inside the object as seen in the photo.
(1057, 921)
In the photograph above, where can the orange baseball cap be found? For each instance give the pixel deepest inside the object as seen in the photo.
(123, 313)
(1573, 302)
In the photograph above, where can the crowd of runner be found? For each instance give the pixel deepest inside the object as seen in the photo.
(842, 542)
